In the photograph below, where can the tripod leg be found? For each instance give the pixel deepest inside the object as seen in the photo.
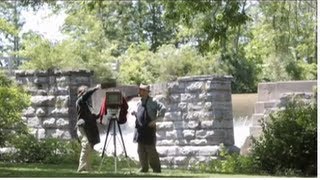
(124, 147)
(115, 145)
(105, 142)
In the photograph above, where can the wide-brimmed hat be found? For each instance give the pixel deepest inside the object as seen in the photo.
(144, 87)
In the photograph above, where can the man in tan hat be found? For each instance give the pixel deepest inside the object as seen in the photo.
(149, 111)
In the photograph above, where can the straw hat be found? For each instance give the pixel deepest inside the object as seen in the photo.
(144, 87)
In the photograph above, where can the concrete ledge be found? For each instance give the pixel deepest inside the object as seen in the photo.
(271, 91)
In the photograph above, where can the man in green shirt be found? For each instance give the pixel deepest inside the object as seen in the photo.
(149, 112)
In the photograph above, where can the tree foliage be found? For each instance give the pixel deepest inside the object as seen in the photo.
(254, 41)
(13, 100)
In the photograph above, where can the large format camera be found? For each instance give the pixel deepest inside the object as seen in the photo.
(113, 98)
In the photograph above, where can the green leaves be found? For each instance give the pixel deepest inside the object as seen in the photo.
(12, 101)
(289, 139)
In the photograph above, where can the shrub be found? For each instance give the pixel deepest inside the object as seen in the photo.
(288, 144)
(230, 163)
(28, 149)
(13, 100)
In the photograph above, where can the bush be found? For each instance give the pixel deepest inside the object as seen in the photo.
(288, 145)
(13, 100)
(28, 149)
(230, 163)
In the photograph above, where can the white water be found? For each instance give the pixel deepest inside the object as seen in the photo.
(241, 131)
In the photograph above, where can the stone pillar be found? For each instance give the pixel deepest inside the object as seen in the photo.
(198, 119)
(53, 94)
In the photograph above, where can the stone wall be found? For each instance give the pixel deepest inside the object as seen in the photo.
(274, 96)
(198, 119)
(53, 94)
(270, 96)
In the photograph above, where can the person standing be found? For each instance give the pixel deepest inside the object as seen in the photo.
(87, 129)
(148, 113)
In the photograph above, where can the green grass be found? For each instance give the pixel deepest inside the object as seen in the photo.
(67, 170)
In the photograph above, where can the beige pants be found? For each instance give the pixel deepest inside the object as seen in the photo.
(86, 150)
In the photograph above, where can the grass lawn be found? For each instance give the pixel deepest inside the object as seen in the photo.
(50, 170)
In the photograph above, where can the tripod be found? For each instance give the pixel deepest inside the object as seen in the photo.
(114, 121)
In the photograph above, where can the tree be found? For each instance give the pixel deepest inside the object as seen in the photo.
(13, 100)
(283, 35)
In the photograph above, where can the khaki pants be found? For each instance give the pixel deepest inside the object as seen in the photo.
(148, 155)
(86, 150)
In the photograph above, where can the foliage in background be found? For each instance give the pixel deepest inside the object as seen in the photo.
(13, 100)
(254, 41)
(289, 140)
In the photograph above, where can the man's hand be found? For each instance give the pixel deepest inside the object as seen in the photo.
(152, 124)
(98, 86)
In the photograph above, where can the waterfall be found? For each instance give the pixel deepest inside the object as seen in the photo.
(241, 127)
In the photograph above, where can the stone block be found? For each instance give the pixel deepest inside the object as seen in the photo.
(183, 106)
(34, 122)
(174, 98)
(188, 134)
(49, 123)
(203, 134)
(57, 133)
(207, 124)
(62, 123)
(171, 134)
(198, 142)
(41, 134)
(167, 150)
(172, 116)
(197, 86)
(59, 112)
(62, 101)
(219, 136)
(41, 80)
(40, 112)
(187, 97)
(43, 100)
(165, 142)
(193, 124)
(181, 142)
(30, 111)
(165, 125)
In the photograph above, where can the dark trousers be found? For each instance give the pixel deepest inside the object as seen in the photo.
(148, 155)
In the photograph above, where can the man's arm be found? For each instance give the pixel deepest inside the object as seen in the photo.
(90, 91)
(161, 109)
(161, 112)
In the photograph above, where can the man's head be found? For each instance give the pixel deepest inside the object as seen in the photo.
(81, 90)
(144, 90)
